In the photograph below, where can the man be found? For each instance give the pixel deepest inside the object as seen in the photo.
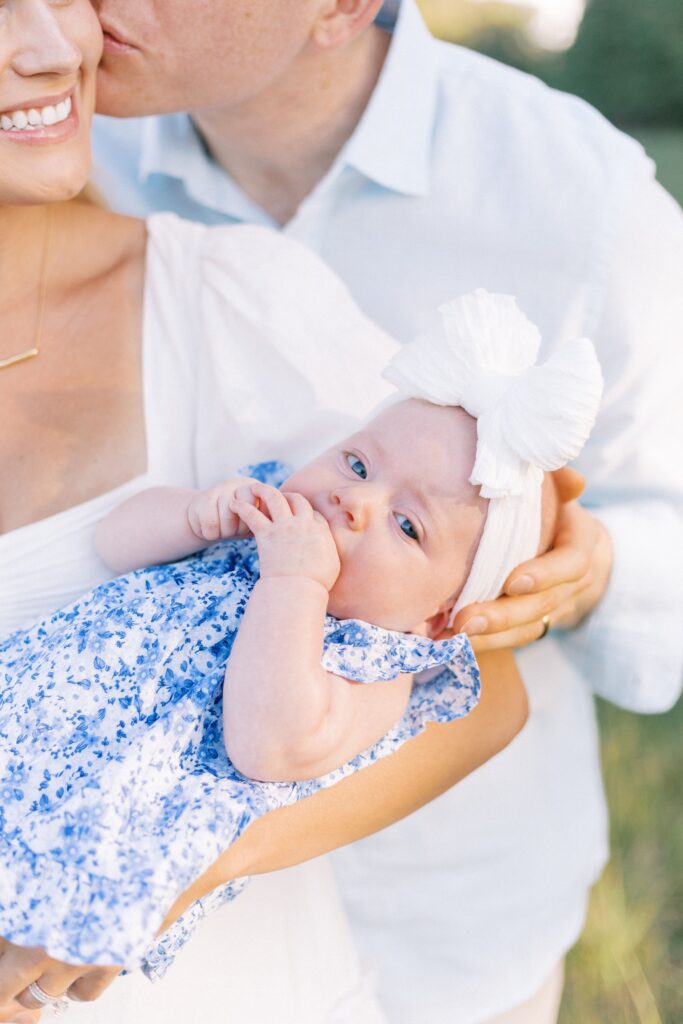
(420, 171)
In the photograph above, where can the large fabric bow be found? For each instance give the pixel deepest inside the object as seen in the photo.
(484, 359)
(529, 418)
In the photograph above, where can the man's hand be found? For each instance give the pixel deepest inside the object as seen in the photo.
(564, 584)
(19, 966)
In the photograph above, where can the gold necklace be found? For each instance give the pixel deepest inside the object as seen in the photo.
(29, 353)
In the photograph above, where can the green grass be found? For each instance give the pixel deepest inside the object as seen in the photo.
(628, 966)
(665, 146)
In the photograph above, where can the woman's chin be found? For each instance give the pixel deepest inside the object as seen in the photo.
(55, 184)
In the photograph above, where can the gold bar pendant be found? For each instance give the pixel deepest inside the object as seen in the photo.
(19, 358)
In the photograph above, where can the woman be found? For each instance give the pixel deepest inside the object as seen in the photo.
(162, 356)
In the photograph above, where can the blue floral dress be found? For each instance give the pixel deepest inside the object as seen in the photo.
(116, 789)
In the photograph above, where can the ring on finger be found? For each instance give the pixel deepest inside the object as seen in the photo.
(58, 1003)
(545, 622)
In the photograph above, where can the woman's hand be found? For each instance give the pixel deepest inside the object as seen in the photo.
(20, 965)
(564, 584)
(293, 539)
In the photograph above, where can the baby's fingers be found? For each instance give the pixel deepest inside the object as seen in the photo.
(300, 506)
(273, 501)
(252, 517)
(210, 520)
(228, 520)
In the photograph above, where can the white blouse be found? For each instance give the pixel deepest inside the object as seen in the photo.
(250, 351)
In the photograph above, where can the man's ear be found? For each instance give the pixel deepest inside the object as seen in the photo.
(341, 20)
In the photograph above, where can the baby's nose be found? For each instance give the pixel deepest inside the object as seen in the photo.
(356, 501)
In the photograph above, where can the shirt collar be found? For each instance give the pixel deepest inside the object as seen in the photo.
(391, 145)
(171, 146)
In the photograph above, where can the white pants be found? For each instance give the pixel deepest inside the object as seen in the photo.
(541, 1008)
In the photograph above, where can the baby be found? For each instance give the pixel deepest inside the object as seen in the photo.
(180, 680)
(381, 528)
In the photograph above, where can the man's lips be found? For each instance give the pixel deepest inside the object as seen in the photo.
(115, 42)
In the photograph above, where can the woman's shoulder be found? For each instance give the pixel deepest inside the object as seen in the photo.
(247, 256)
(82, 228)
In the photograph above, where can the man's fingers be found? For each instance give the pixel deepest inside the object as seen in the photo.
(510, 613)
(567, 563)
(569, 483)
(509, 639)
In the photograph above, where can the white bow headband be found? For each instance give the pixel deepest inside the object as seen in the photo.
(529, 418)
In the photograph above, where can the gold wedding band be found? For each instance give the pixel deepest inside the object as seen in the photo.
(546, 626)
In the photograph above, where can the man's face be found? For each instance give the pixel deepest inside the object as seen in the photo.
(168, 55)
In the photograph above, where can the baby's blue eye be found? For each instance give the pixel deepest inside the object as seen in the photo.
(356, 465)
(406, 525)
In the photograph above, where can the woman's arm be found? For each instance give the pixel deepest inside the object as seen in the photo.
(382, 794)
(362, 804)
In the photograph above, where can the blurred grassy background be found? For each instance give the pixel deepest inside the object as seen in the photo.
(627, 60)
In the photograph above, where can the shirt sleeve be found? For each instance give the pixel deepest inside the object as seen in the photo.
(631, 646)
(288, 363)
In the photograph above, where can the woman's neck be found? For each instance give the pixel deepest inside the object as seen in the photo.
(22, 241)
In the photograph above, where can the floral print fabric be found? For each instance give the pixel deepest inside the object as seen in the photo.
(117, 791)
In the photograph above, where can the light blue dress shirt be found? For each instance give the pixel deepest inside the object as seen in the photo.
(464, 173)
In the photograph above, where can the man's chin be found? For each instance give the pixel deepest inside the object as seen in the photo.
(118, 97)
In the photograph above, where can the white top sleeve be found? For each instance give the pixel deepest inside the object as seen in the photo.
(631, 646)
(285, 362)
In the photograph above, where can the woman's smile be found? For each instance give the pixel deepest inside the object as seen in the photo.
(43, 120)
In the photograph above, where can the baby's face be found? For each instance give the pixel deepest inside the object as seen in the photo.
(405, 520)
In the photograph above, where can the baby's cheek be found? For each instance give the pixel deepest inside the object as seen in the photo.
(356, 593)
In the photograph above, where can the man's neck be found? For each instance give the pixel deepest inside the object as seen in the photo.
(278, 145)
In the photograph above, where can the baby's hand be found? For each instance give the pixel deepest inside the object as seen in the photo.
(293, 539)
(210, 515)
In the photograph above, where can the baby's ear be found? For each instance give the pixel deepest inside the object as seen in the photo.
(436, 627)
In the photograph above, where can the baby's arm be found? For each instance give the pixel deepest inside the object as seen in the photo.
(285, 717)
(163, 524)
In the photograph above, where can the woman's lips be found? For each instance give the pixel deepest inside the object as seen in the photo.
(41, 121)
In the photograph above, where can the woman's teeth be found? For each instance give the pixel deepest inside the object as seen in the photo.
(34, 118)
